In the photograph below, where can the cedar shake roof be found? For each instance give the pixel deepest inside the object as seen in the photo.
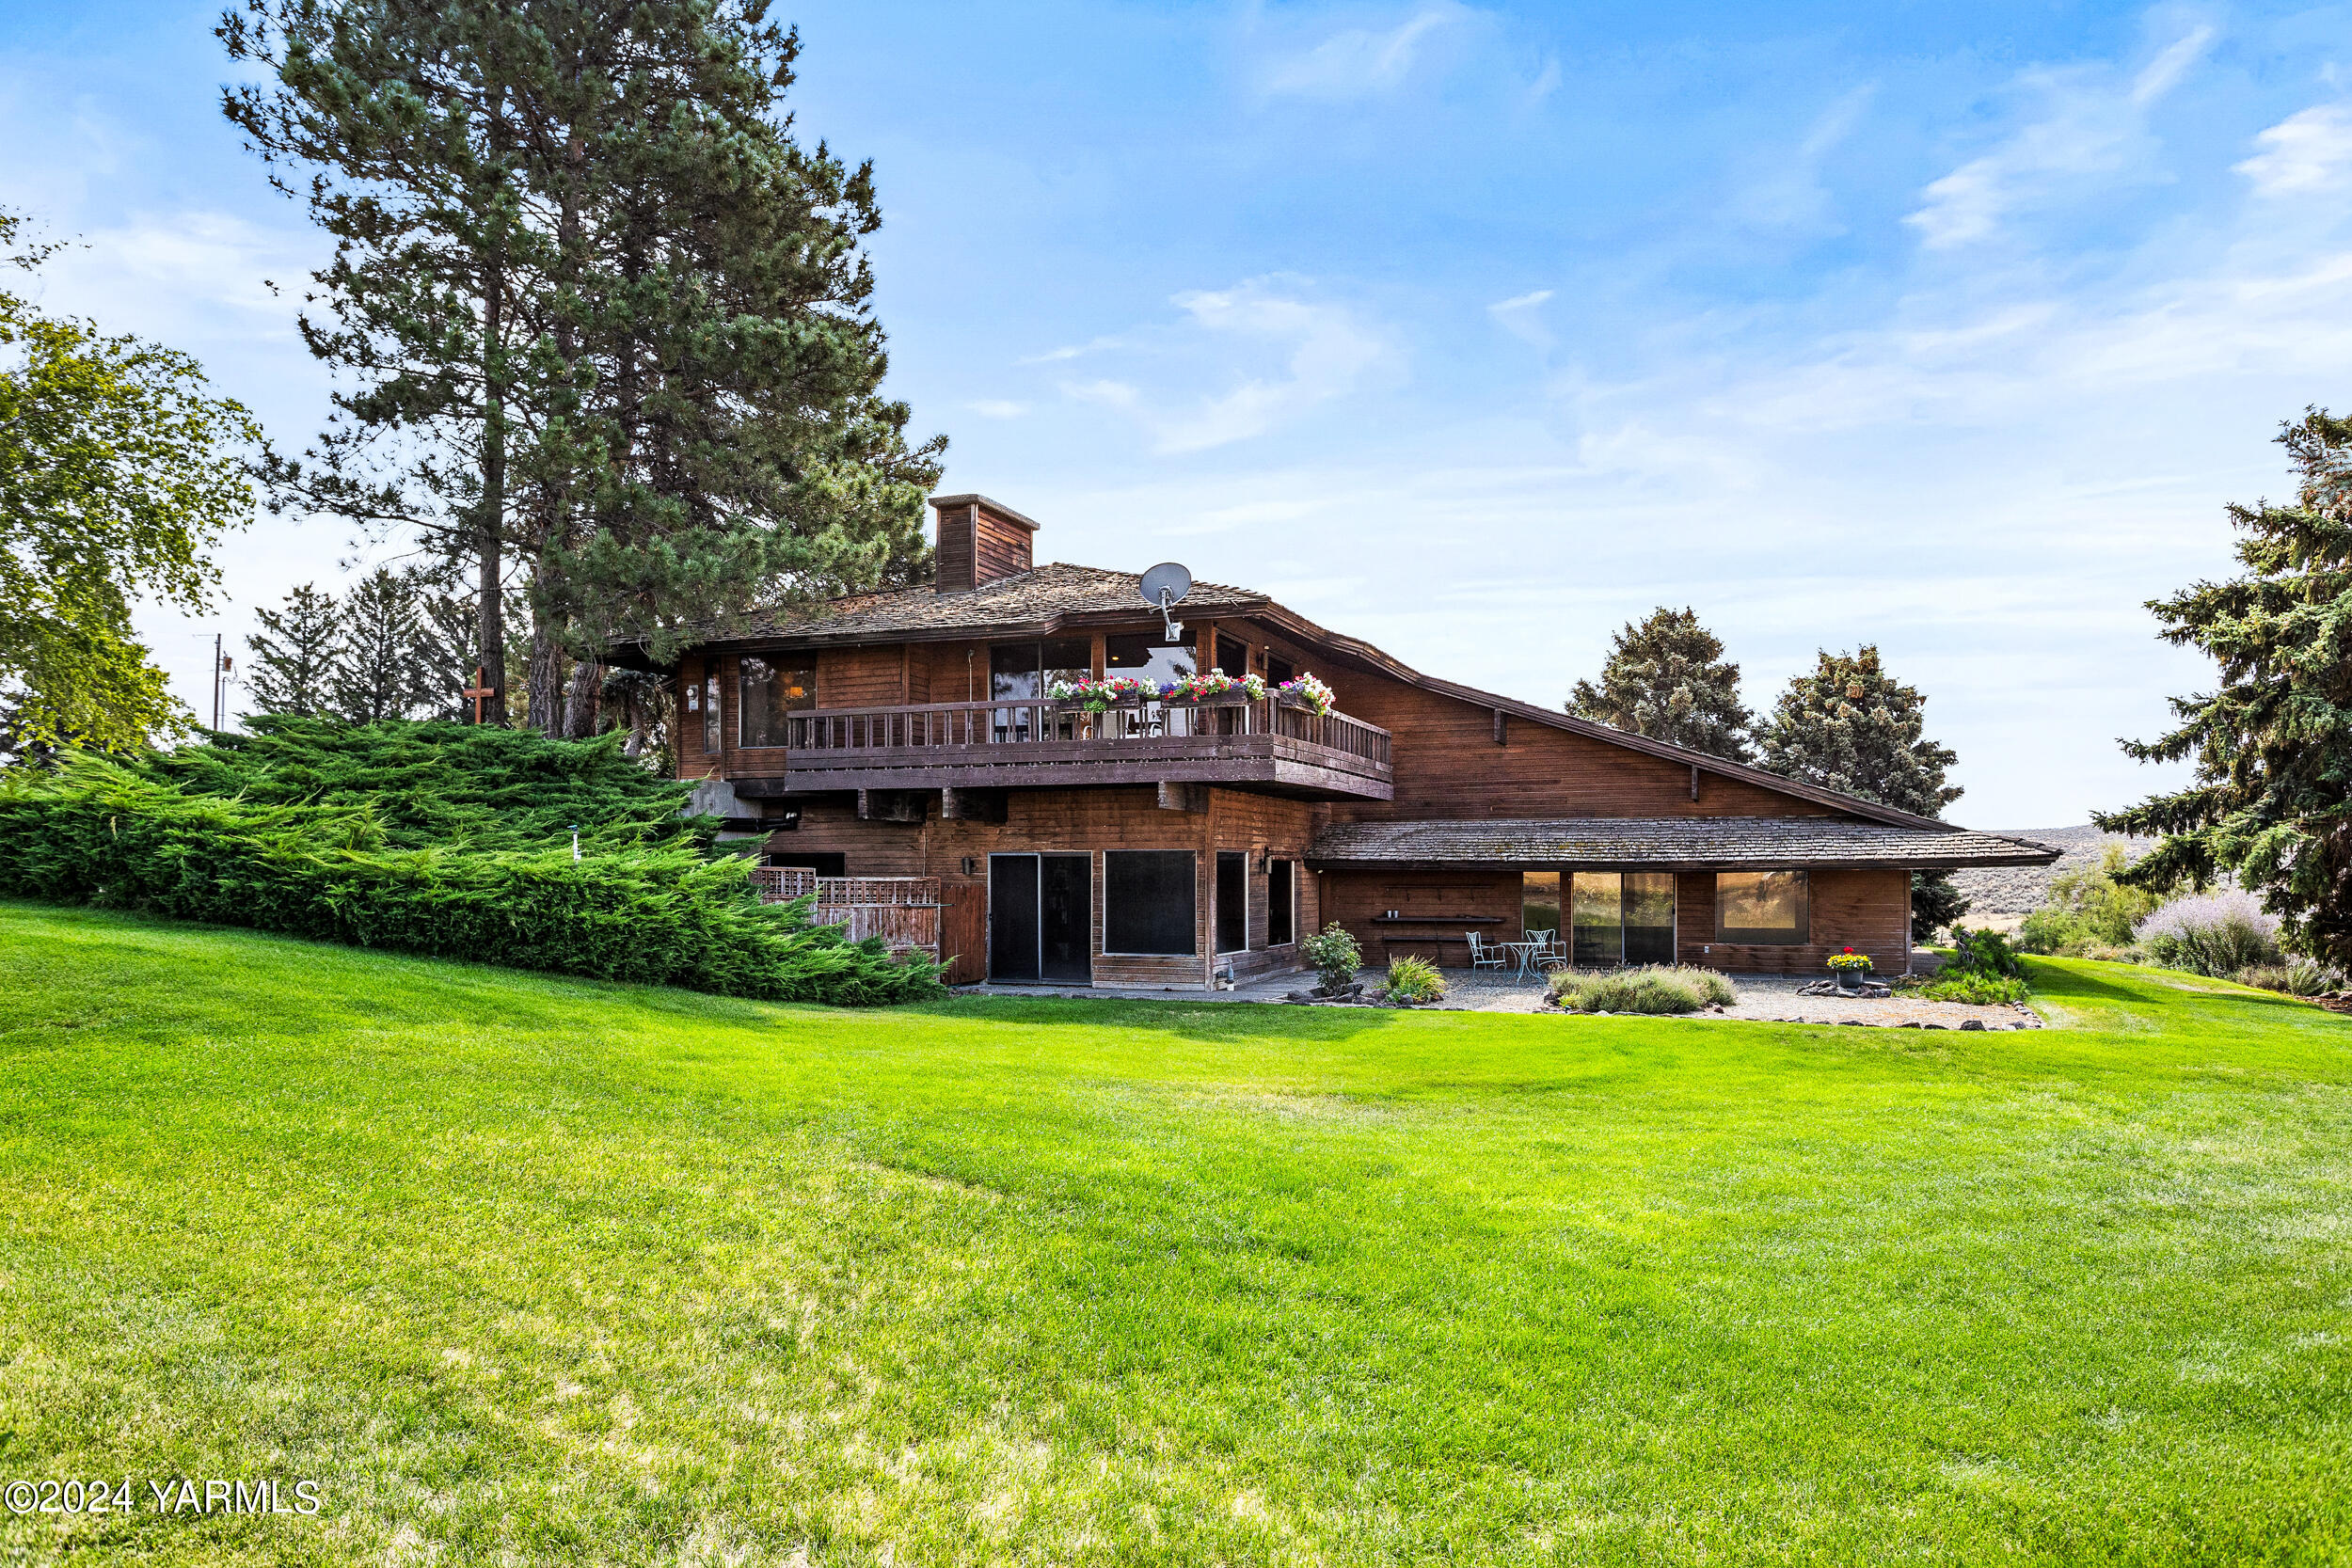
(1057, 597)
(1038, 602)
(1688, 844)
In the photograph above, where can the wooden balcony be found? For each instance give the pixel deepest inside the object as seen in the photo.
(1266, 746)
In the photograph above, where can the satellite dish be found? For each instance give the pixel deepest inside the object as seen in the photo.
(1162, 586)
(1168, 577)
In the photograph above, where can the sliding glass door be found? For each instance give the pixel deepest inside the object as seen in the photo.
(1040, 909)
(1621, 917)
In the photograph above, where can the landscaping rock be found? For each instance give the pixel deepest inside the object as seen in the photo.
(1976, 1024)
(1830, 988)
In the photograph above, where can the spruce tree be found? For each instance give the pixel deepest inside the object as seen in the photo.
(1666, 678)
(377, 672)
(2272, 742)
(293, 668)
(446, 652)
(1850, 727)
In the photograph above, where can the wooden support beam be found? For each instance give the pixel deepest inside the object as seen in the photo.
(892, 805)
(972, 805)
(1502, 728)
(1184, 797)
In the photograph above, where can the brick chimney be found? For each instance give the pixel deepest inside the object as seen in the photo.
(979, 540)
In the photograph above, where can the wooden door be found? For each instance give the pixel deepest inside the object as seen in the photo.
(963, 932)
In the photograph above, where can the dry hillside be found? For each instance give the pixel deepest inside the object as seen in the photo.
(2004, 894)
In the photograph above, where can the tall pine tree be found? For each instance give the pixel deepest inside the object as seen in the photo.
(293, 667)
(398, 121)
(2272, 742)
(1666, 678)
(629, 313)
(1849, 726)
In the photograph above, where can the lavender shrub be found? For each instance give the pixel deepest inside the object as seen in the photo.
(2210, 933)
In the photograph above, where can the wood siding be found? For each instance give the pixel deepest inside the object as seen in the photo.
(1868, 910)
(1448, 764)
(1002, 546)
(952, 562)
(1088, 820)
(1441, 908)
(861, 677)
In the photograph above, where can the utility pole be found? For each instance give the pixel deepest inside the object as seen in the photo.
(220, 664)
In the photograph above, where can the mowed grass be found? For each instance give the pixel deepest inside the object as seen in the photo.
(530, 1270)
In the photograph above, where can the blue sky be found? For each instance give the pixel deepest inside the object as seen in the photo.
(1477, 331)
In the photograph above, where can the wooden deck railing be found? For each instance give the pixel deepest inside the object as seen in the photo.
(902, 911)
(931, 726)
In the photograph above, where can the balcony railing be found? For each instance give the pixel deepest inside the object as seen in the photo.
(902, 911)
(1222, 740)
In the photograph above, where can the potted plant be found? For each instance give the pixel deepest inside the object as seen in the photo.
(1307, 692)
(1849, 967)
(1211, 684)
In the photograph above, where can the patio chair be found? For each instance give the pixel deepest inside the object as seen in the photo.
(1484, 953)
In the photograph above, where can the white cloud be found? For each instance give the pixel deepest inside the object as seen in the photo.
(156, 275)
(1329, 352)
(1520, 316)
(1305, 352)
(998, 408)
(2092, 128)
(1784, 190)
(1359, 62)
(1116, 394)
(2310, 150)
(2163, 73)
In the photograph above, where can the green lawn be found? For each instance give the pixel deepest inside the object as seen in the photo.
(531, 1270)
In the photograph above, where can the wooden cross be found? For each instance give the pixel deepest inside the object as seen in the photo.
(479, 691)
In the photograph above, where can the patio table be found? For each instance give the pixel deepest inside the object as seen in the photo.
(1524, 954)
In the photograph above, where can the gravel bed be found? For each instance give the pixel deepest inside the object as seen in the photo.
(1762, 997)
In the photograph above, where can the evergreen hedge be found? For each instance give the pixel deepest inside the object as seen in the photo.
(434, 783)
(662, 913)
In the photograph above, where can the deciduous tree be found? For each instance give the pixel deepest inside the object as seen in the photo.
(119, 472)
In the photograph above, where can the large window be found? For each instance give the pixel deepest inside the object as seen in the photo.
(1232, 901)
(1764, 907)
(1281, 903)
(1026, 671)
(771, 690)
(1145, 657)
(1148, 901)
(1539, 902)
(1232, 657)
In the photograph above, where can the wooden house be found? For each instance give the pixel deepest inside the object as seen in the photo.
(913, 734)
